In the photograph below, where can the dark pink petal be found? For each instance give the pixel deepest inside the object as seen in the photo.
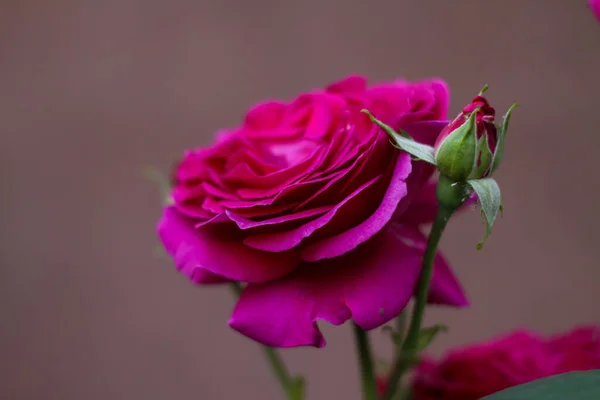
(388, 102)
(281, 241)
(351, 238)
(264, 116)
(334, 187)
(245, 223)
(321, 117)
(194, 210)
(259, 163)
(340, 155)
(315, 112)
(213, 204)
(342, 148)
(217, 219)
(445, 288)
(216, 191)
(355, 84)
(401, 103)
(242, 174)
(426, 132)
(423, 208)
(441, 99)
(261, 211)
(378, 156)
(205, 277)
(272, 184)
(292, 152)
(193, 166)
(371, 285)
(429, 101)
(218, 249)
(288, 198)
(419, 176)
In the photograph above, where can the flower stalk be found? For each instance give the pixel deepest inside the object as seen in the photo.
(451, 195)
(363, 348)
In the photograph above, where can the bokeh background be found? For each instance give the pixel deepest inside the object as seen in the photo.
(93, 91)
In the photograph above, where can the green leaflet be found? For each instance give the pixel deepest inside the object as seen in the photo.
(569, 386)
(421, 151)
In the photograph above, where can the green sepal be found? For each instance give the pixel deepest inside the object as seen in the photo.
(161, 181)
(399, 140)
(488, 193)
(483, 90)
(427, 335)
(485, 158)
(456, 157)
(397, 337)
(499, 153)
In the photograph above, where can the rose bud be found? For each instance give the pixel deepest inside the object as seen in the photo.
(465, 148)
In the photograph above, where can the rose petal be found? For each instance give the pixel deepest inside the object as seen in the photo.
(445, 288)
(342, 148)
(426, 132)
(288, 198)
(335, 187)
(219, 251)
(441, 97)
(205, 277)
(423, 208)
(264, 116)
(428, 101)
(217, 219)
(272, 184)
(245, 223)
(243, 174)
(371, 284)
(260, 211)
(351, 238)
(351, 84)
(281, 241)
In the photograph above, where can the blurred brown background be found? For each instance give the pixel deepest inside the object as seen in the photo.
(92, 91)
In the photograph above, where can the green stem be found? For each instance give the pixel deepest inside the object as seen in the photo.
(401, 322)
(409, 348)
(363, 349)
(288, 384)
(280, 370)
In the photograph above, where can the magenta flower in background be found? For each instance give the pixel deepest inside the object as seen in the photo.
(579, 349)
(486, 368)
(308, 203)
(595, 7)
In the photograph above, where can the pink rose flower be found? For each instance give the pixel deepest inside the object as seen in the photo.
(486, 368)
(308, 203)
(595, 7)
